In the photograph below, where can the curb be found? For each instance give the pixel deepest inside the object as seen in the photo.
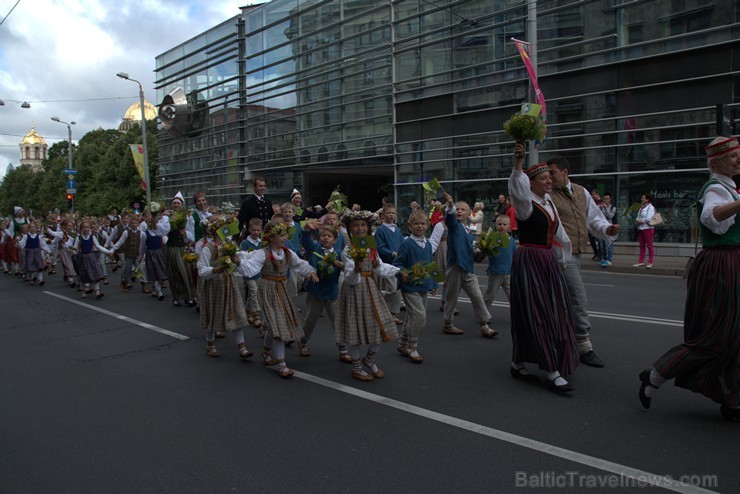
(671, 271)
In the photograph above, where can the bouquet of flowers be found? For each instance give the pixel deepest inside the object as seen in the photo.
(362, 246)
(225, 252)
(359, 254)
(326, 266)
(228, 208)
(339, 200)
(492, 242)
(523, 128)
(190, 256)
(419, 273)
(178, 220)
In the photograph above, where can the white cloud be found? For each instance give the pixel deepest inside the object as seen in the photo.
(56, 50)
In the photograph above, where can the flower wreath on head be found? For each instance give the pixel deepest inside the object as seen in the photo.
(213, 224)
(273, 230)
(349, 216)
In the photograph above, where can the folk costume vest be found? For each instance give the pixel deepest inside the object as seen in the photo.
(708, 237)
(573, 213)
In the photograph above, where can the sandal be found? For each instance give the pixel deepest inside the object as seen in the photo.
(284, 372)
(99, 294)
(345, 357)
(212, 352)
(303, 350)
(220, 334)
(374, 370)
(267, 357)
(361, 375)
(243, 351)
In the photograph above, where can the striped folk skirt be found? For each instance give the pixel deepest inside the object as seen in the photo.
(178, 273)
(541, 312)
(362, 316)
(278, 308)
(65, 256)
(34, 260)
(155, 270)
(89, 268)
(708, 361)
(221, 304)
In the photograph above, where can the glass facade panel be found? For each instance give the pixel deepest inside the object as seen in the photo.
(355, 88)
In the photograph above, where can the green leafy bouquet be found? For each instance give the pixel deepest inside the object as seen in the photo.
(419, 273)
(178, 220)
(326, 266)
(492, 242)
(523, 128)
(226, 252)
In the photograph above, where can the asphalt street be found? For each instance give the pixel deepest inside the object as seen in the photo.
(117, 395)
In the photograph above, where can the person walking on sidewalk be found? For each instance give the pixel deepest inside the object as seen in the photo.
(580, 216)
(645, 232)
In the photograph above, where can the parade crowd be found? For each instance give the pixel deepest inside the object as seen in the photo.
(358, 266)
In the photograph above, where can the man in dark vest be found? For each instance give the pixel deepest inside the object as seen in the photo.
(580, 216)
(256, 206)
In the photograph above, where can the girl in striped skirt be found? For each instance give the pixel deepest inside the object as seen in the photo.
(362, 317)
(280, 316)
(541, 310)
(89, 270)
(708, 361)
(151, 246)
(178, 273)
(32, 243)
(221, 304)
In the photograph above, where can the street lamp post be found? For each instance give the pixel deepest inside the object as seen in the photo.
(69, 150)
(124, 75)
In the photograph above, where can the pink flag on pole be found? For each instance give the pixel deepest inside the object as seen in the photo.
(523, 48)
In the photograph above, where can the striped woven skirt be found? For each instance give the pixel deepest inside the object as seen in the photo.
(279, 312)
(89, 268)
(33, 259)
(708, 361)
(221, 305)
(178, 273)
(541, 312)
(155, 270)
(362, 316)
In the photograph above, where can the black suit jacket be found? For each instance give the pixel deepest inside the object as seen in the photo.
(252, 208)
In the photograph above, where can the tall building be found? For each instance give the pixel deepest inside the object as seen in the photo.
(379, 97)
(33, 150)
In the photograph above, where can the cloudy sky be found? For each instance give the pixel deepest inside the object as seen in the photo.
(55, 53)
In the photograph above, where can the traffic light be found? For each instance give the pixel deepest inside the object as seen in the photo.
(70, 200)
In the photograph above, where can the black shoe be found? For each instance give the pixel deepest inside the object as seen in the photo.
(190, 303)
(590, 358)
(176, 303)
(730, 414)
(645, 382)
(561, 388)
(517, 374)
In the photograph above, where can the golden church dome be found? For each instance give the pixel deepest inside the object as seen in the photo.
(134, 112)
(33, 138)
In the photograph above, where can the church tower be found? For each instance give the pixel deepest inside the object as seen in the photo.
(33, 150)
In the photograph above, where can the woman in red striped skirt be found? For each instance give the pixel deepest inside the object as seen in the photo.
(708, 361)
(541, 310)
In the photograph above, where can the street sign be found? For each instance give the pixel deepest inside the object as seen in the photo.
(71, 191)
(69, 171)
(71, 184)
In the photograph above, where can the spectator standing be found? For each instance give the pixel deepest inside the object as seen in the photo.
(256, 206)
(606, 246)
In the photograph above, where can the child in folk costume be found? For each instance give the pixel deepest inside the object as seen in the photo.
(32, 244)
(20, 233)
(130, 242)
(194, 232)
(88, 265)
(250, 244)
(415, 249)
(324, 294)
(221, 303)
(389, 237)
(278, 307)
(65, 238)
(459, 274)
(363, 317)
(499, 266)
(102, 239)
(16, 225)
(151, 245)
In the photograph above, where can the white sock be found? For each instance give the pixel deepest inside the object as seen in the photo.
(556, 378)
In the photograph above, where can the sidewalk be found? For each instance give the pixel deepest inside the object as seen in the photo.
(662, 265)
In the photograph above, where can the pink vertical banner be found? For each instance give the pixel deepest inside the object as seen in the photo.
(523, 48)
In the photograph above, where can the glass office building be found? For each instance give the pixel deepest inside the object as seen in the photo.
(381, 96)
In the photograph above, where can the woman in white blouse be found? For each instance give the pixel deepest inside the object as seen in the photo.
(645, 232)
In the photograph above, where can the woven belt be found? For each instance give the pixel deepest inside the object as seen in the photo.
(273, 278)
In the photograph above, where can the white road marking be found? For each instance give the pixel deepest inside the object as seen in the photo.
(599, 284)
(665, 482)
(143, 324)
(601, 315)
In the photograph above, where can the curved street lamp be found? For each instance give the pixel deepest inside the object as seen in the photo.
(124, 75)
(69, 130)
